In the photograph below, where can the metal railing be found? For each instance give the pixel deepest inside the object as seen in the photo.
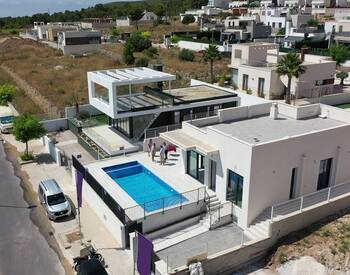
(162, 205)
(301, 203)
(224, 210)
(199, 115)
(154, 132)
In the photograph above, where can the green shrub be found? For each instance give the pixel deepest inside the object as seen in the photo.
(188, 19)
(174, 38)
(128, 55)
(27, 156)
(151, 52)
(142, 62)
(7, 92)
(186, 55)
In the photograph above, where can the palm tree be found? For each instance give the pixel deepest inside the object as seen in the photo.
(210, 55)
(290, 66)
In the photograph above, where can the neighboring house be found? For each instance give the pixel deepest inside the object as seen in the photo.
(147, 17)
(244, 28)
(79, 42)
(98, 23)
(224, 4)
(237, 4)
(256, 157)
(253, 69)
(293, 35)
(276, 18)
(199, 13)
(49, 31)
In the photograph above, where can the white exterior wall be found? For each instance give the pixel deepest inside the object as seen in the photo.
(272, 87)
(275, 22)
(112, 223)
(270, 180)
(197, 46)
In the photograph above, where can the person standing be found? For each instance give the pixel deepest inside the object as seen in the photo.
(166, 149)
(150, 143)
(153, 151)
(162, 154)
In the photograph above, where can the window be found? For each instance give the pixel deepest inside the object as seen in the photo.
(234, 190)
(195, 165)
(261, 83)
(293, 180)
(324, 173)
(245, 82)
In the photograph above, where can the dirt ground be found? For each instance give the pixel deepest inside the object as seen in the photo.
(327, 241)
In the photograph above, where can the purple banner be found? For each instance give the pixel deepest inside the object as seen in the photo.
(79, 182)
(144, 255)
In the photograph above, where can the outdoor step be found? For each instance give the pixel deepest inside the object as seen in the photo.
(162, 244)
(215, 207)
(261, 231)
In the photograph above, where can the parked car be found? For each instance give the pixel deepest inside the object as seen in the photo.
(53, 200)
(6, 119)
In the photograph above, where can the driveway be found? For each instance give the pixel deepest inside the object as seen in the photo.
(23, 248)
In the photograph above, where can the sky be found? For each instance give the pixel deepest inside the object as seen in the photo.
(29, 7)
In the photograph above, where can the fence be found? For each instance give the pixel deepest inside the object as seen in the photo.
(299, 204)
(224, 211)
(163, 204)
(154, 132)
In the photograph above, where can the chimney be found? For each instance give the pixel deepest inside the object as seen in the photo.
(159, 67)
(303, 51)
(274, 111)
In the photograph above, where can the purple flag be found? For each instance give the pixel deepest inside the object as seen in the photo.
(144, 255)
(79, 182)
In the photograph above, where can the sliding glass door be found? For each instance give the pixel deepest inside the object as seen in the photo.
(195, 165)
(324, 174)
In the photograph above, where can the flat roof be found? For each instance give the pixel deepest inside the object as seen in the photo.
(128, 76)
(262, 129)
(198, 93)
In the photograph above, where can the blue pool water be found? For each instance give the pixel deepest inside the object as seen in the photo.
(143, 186)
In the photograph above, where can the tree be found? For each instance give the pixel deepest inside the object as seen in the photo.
(342, 76)
(139, 42)
(210, 55)
(290, 66)
(128, 54)
(188, 19)
(115, 32)
(135, 14)
(313, 22)
(7, 92)
(339, 53)
(26, 127)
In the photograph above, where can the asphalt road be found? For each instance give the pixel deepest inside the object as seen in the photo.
(23, 249)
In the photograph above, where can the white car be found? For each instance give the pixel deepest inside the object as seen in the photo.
(6, 119)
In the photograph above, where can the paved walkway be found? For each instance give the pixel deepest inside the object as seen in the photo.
(211, 241)
(117, 259)
(23, 249)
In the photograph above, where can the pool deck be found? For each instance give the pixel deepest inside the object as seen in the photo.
(172, 173)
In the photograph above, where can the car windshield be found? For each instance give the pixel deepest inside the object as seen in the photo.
(56, 199)
(6, 119)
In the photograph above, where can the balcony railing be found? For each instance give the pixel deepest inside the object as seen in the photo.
(154, 132)
(162, 205)
(301, 203)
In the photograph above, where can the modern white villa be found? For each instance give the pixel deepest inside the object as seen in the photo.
(245, 176)
(139, 100)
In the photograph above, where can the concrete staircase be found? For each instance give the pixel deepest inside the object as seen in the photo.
(259, 229)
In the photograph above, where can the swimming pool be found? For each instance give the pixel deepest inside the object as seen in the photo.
(145, 188)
